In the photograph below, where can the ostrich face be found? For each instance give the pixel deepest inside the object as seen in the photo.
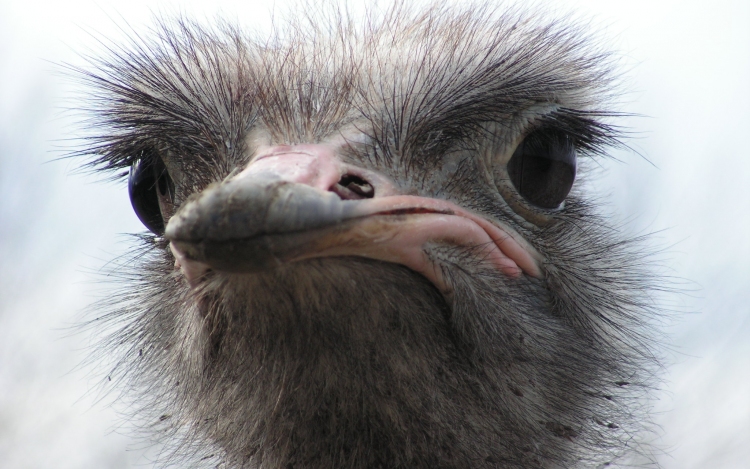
(369, 249)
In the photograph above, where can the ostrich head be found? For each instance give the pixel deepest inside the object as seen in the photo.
(368, 245)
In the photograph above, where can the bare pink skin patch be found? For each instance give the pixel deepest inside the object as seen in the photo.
(192, 270)
(388, 227)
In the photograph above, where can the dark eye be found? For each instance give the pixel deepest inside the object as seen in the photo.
(543, 167)
(148, 184)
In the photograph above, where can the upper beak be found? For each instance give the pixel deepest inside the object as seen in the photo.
(256, 222)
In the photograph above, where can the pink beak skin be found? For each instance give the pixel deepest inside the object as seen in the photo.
(287, 206)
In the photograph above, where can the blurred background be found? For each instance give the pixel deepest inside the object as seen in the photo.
(687, 69)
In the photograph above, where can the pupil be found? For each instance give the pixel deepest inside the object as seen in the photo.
(543, 168)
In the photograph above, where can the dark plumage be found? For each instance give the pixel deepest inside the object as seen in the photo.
(295, 329)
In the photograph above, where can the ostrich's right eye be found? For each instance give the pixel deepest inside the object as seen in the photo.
(543, 167)
(150, 186)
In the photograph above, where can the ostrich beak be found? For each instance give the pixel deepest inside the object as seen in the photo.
(288, 205)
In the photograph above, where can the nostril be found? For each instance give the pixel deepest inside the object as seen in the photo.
(353, 187)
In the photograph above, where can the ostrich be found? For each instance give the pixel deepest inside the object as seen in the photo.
(369, 246)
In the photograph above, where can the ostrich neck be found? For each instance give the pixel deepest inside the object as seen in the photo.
(343, 363)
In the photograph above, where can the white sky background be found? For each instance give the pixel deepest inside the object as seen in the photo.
(688, 72)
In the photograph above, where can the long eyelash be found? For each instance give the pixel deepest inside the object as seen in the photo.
(182, 92)
(592, 135)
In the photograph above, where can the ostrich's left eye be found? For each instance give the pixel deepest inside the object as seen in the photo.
(150, 188)
(543, 167)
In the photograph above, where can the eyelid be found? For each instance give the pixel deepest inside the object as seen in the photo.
(524, 123)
